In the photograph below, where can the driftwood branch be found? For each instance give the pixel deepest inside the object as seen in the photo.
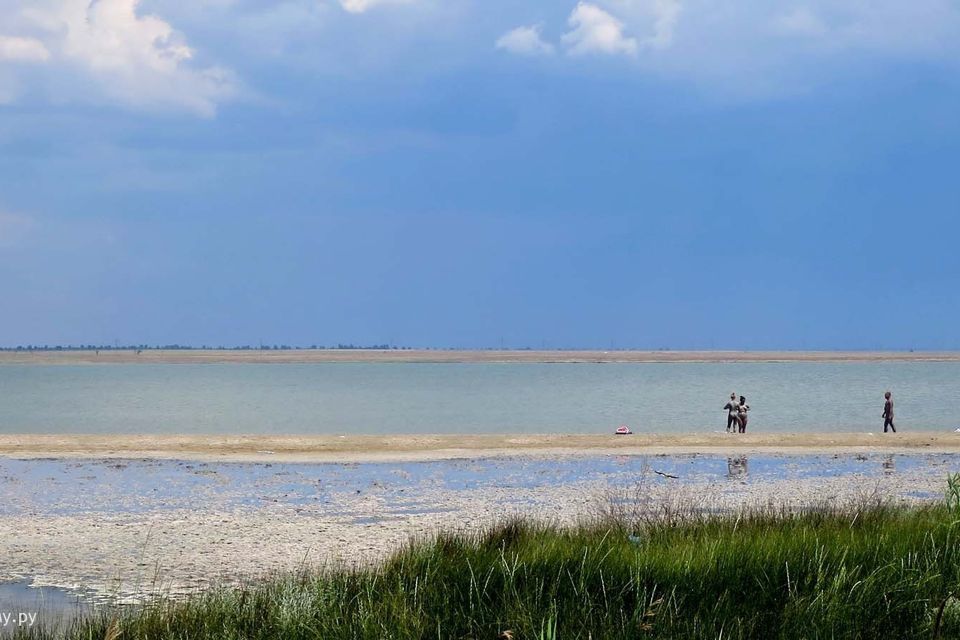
(665, 475)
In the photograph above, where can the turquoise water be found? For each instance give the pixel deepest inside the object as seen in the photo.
(384, 398)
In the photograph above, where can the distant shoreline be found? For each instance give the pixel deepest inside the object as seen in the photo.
(308, 356)
(408, 448)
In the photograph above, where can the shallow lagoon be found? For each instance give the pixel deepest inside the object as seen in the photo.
(68, 487)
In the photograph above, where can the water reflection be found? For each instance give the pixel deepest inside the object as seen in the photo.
(737, 467)
(889, 466)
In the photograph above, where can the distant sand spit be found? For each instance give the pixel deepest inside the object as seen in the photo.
(332, 448)
(161, 356)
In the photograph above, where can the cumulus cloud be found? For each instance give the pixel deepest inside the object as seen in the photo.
(757, 46)
(359, 6)
(593, 30)
(132, 53)
(133, 59)
(524, 41)
(19, 49)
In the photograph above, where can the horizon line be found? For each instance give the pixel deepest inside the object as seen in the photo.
(392, 347)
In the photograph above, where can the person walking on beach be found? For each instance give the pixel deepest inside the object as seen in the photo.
(733, 413)
(742, 414)
(888, 412)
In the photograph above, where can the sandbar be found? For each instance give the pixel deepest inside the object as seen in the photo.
(364, 448)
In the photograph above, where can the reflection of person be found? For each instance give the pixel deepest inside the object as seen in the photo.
(733, 413)
(888, 412)
(889, 466)
(736, 467)
(742, 414)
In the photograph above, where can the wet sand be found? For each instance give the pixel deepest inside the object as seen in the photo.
(123, 530)
(200, 356)
(333, 448)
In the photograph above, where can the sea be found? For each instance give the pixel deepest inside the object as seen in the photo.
(516, 398)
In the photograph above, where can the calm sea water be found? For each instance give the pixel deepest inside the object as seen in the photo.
(459, 398)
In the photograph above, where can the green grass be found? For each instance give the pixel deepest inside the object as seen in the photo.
(871, 572)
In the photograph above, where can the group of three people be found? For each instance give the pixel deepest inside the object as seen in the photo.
(737, 413)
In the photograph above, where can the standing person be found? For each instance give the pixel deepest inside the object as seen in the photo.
(733, 413)
(888, 412)
(742, 414)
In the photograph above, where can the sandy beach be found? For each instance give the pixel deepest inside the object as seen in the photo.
(338, 448)
(254, 356)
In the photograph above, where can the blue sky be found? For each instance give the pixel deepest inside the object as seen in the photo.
(453, 173)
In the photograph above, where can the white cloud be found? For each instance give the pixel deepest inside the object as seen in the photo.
(665, 13)
(652, 23)
(359, 6)
(131, 53)
(593, 30)
(763, 47)
(525, 41)
(19, 49)
(135, 60)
